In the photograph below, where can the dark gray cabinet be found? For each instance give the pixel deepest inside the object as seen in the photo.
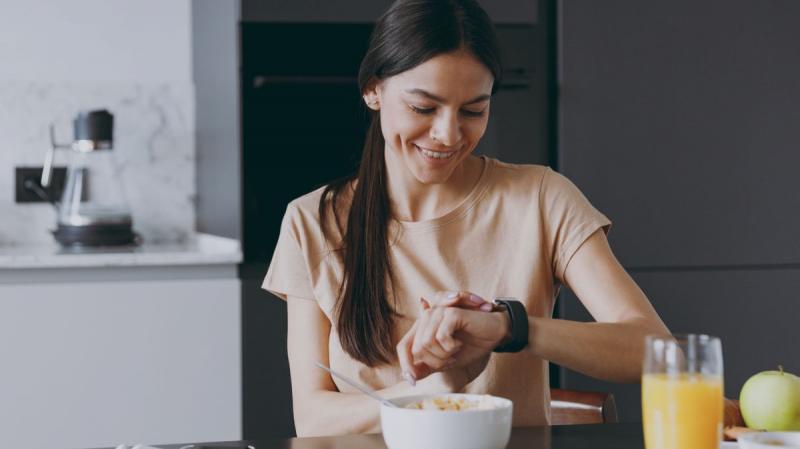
(680, 121)
(519, 125)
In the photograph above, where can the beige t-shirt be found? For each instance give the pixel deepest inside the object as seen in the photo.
(513, 236)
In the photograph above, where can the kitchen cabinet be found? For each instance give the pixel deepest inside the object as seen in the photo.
(679, 121)
(102, 355)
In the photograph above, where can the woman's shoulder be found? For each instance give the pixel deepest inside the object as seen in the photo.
(306, 205)
(519, 169)
(303, 212)
(530, 177)
(301, 215)
(514, 177)
(531, 182)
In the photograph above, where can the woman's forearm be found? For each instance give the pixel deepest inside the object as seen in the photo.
(321, 413)
(607, 351)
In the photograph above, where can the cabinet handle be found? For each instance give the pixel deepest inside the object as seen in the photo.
(261, 81)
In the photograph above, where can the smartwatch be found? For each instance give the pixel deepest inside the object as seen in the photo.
(518, 318)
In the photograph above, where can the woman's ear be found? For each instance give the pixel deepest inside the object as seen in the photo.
(372, 96)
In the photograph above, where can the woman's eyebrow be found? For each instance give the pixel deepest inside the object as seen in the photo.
(433, 97)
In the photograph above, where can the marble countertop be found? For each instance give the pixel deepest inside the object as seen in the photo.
(202, 249)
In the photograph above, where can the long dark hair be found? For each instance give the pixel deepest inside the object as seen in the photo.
(409, 33)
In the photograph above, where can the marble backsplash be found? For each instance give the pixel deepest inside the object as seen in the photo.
(153, 146)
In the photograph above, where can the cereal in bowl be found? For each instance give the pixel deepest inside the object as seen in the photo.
(454, 404)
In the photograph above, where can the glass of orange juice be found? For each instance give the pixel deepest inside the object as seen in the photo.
(682, 392)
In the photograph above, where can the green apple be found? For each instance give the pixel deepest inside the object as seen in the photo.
(770, 400)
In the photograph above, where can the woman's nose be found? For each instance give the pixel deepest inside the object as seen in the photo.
(446, 130)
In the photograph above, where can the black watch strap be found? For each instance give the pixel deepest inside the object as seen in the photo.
(519, 325)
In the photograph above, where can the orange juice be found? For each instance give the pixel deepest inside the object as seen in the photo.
(682, 411)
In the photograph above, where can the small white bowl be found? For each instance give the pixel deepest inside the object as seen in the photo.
(770, 440)
(407, 428)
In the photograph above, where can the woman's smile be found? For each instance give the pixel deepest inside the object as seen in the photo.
(435, 157)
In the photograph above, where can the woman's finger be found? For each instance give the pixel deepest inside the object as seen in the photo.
(410, 372)
(422, 371)
(447, 328)
(425, 303)
(425, 343)
(416, 345)
(432, 362)
(463, 299)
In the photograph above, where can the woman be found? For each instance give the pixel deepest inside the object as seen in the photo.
(423, 215)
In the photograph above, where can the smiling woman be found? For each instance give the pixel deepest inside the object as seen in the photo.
(423, 217)
(432, 118)
(417, 46)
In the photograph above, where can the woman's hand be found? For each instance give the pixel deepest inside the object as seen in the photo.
(455, 335)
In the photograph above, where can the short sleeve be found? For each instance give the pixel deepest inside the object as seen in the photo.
(568, 219)
(288, 273)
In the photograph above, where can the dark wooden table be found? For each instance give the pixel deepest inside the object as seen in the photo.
(596, 436)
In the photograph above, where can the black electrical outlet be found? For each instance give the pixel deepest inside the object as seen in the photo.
(33, 175)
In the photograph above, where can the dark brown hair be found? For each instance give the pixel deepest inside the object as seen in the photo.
(409, 33)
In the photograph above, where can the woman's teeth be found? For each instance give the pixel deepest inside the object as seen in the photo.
(436, 154)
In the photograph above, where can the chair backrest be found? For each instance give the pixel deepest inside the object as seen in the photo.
(581, 407)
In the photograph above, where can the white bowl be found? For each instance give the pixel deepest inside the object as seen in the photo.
(770, 440)
(406, 428)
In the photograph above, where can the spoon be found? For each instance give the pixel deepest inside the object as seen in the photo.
(360, 387)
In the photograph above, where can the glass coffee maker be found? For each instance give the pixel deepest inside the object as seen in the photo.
(93, 210)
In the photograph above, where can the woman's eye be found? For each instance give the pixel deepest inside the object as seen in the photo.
(428, 111)
(423, 111)
(469, 113)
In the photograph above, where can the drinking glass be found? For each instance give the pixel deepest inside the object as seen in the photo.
(682, 392)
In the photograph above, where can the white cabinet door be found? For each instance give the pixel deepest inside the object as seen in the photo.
(99, 364)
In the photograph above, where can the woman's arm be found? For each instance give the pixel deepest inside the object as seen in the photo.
(613, 347)
(318, 405)
(610, 349)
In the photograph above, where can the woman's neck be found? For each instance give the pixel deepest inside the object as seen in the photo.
(411, 200)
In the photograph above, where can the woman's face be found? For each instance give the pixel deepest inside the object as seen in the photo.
(433, 115)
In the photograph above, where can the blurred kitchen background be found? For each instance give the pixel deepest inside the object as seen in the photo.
(679, 120)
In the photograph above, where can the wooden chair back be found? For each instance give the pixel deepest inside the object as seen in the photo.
(581, 407)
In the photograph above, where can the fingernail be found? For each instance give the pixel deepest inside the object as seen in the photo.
(409, 378)
(475, 299)
(450, 362)
(486, 307)
(452, 295)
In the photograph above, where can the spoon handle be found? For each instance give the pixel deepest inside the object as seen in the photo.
(362, 388)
